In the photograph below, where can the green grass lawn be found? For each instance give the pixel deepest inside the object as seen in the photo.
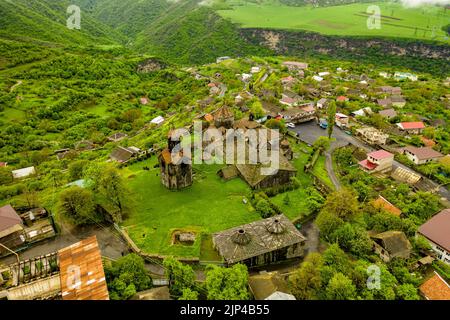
(209, 205)
(345, 20)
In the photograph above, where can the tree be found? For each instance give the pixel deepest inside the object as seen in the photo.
(306, 281)
(327, 223)
(77, 205)
(76, 169)
(264, 208)
(189, 294)
(127, 276)
(5, 176)
(110, 189)
(322, 144)
(407, 291)
(340, 287)
(331, 118)
(180, 276)
(227, 283)
(343, 203)
(114, 188)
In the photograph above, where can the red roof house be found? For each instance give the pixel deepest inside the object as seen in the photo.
(341, 99)
(414, 127)
(380, 160)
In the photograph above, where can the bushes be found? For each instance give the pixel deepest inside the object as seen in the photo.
(264, 206)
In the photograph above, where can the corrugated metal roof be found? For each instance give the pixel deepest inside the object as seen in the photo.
(82, 275)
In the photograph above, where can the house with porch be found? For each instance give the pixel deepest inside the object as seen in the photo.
(377, 161)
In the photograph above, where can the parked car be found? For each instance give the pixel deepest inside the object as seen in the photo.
(323, 123)
(290, 125)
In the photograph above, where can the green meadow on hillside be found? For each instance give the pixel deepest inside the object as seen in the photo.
(345, 20)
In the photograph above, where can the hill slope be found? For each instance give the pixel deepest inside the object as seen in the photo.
(46, 20)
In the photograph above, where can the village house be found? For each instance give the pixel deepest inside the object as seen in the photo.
(298, 114)
(322, 103)
(260, 243)
(390, 90)
(288, 81)
(383, 204)
(422, 155)
(255, 70)
(295, 66)
(385, 103)
(404, 76)
(388, 113)
(323, 74)
(436, 231)
(411, 127)
(3, 164)
(253, 175)
(12, 232)
(391, 244)
(398, 101)
(223, 117)
(363, 112)
(221, 59)
(143, 101)
(116, 137)
(23, 173)
(290, 99)
(125, 154)
(377, 161)
(317, 78)
(341, 120)
(435, 288)
(157, 120)
(372, 136)
(54, 278)
(342, 99)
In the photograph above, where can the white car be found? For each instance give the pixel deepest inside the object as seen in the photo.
(290, 125)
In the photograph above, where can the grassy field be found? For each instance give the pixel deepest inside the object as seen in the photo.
(208, 206)
(345, 20)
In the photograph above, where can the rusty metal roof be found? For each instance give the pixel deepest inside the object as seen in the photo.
(82, 275)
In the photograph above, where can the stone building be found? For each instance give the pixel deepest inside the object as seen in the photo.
(223, 117)
(175, 173)
(261, 242)
(391, 244)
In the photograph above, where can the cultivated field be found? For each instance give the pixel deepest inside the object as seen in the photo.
(345, 20)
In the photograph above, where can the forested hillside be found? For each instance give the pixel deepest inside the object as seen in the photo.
(46, 20)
